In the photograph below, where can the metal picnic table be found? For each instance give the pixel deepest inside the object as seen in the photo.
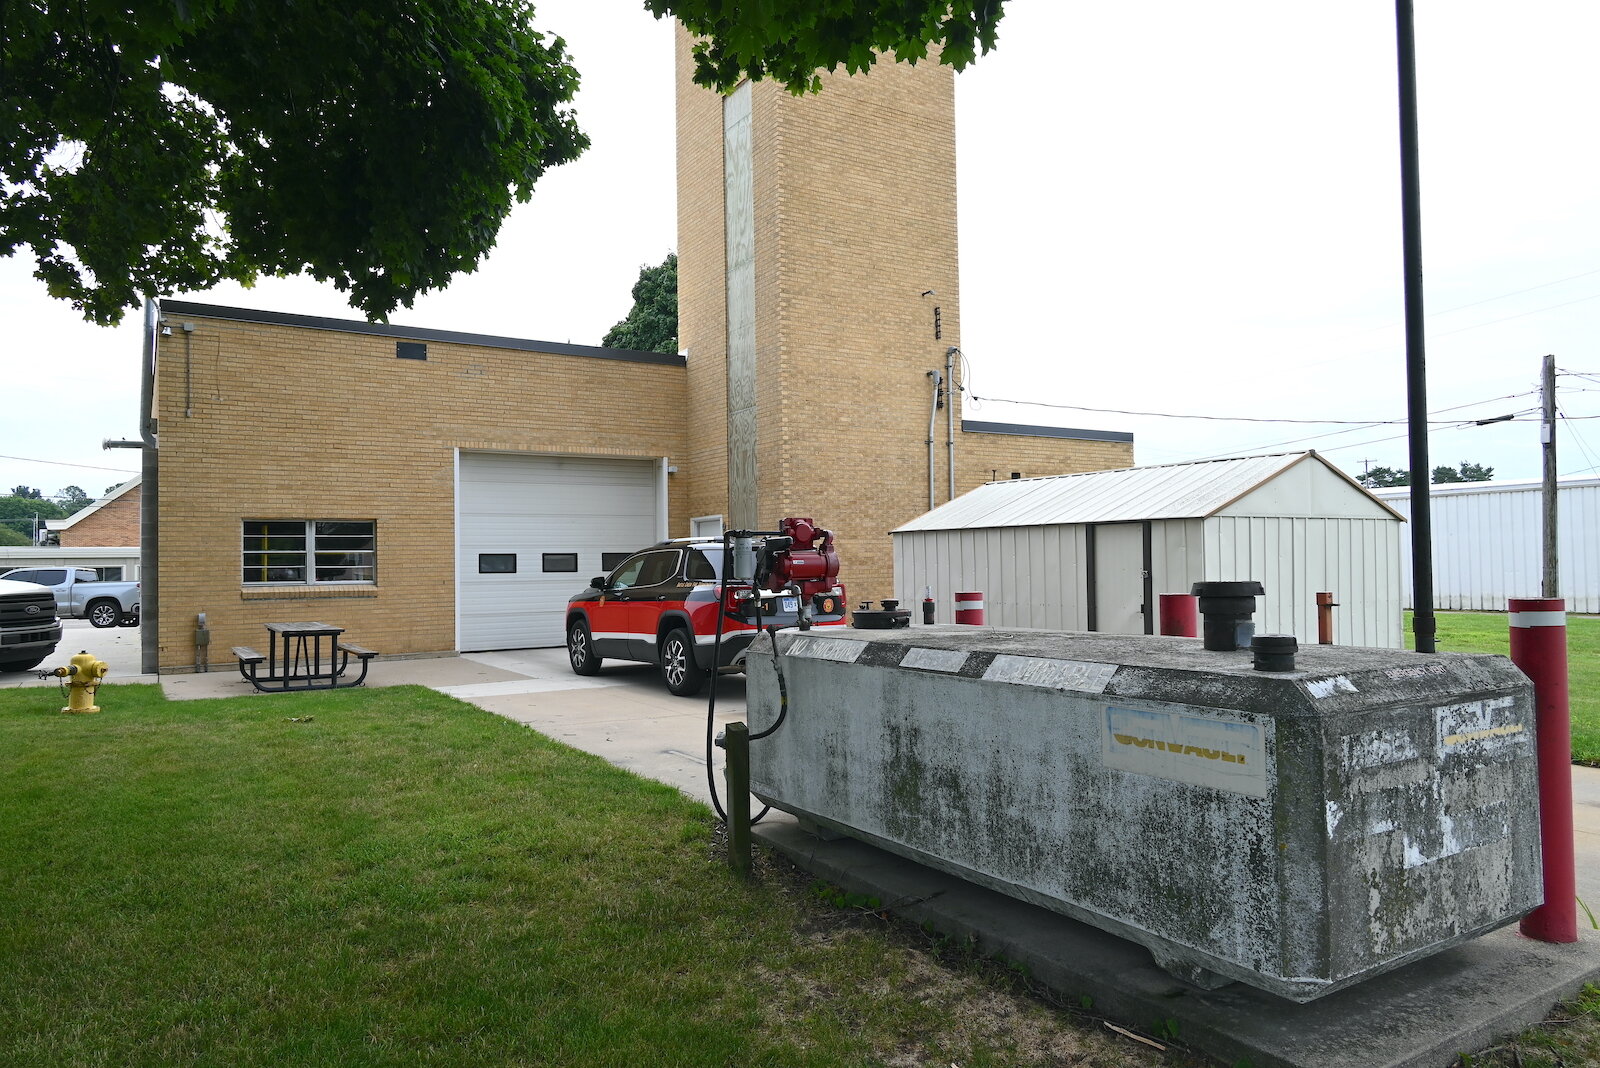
(302, 656)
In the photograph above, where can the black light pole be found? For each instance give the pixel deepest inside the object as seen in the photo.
(1422, 623)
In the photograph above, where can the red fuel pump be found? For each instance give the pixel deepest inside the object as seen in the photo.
(809, 564)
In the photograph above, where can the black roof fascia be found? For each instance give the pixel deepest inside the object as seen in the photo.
(972, 426)
(413, 333)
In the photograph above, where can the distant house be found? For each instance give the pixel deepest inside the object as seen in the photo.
(103, 536)
(112, 520)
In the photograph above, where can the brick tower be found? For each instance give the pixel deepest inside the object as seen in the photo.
(809, 229)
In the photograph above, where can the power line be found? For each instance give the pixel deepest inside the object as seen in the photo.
(1583, 446)
(1519, 315)
(1475, 303)
(1516, 292)
(1351, 445)
(58, 463)
(1250, 419)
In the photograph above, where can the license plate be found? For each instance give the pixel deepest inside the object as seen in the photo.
(791, 604)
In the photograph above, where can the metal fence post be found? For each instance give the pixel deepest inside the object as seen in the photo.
(737, 742)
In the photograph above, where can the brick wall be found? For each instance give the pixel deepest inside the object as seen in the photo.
(116, 523)
(296, 423)
(855, 216)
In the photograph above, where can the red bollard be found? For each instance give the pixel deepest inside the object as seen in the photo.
(1539, 648)
(969, 608)
(1180, 615)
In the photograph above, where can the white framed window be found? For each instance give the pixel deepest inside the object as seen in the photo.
(705, 526)
(309, 551)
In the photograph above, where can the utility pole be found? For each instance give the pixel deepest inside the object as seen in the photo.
(1550, 586)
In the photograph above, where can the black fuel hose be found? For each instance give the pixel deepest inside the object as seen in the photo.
(711, 704)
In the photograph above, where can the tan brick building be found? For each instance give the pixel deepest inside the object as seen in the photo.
(111, 520)
(349, 472)
(809, 231)
(432, 490)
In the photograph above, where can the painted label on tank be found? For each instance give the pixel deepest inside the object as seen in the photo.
(1056, 674)
(1177, 746)
(1483, 727)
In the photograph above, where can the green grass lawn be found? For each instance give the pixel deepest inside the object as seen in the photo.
(404, 879)
(1488, 632)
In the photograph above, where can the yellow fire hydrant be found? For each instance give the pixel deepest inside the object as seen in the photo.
(83, 673)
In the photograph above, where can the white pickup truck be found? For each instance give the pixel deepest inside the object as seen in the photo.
(82, 594)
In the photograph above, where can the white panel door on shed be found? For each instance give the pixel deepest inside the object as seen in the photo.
(1119, 578)
(533, 530)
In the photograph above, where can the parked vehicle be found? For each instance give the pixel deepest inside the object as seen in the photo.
(82, 594)
(29, 629)
(660, 606)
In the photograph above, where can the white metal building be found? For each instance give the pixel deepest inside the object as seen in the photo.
(1092, 551)
(1488, 542)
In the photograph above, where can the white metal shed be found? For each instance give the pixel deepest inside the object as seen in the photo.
(1488, 542)
(1091, 551)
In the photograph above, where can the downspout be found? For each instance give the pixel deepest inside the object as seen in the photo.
(950, 419)
(149, 486)
(149, 477)
(933, 416)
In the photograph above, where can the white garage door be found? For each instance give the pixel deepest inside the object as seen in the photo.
(533, 530)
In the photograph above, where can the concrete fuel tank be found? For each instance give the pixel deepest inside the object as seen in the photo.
(1298, 831)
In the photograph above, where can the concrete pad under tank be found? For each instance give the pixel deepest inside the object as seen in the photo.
(1298, 831)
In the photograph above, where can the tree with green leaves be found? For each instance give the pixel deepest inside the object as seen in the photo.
(379, 146)
(652, 323)
(791, 40)
(24, 512)
(1466, 472)
(1385, 478)
(73, 499)
(375, 144)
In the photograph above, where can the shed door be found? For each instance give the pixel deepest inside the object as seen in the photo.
(1119, 578)
(532, 531)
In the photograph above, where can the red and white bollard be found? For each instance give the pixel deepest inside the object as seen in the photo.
(1539, 649)
(969, 608)
(1180, 615)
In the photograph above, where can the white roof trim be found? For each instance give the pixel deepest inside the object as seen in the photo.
(88, 510)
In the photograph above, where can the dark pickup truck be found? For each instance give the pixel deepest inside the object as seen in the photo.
(29, 629)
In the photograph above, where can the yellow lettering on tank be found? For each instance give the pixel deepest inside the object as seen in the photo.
(1488, 732)
(1178, 749)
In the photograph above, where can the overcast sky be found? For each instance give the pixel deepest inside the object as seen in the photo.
(1164, 208)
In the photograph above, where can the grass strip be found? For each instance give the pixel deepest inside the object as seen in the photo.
(1488, 632)
(391, 876)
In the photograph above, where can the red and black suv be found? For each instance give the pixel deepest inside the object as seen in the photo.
(660, 606)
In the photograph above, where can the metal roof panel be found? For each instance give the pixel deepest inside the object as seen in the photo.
(1167, 491)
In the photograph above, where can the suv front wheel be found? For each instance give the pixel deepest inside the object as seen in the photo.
(679, 669)
(580, 649)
